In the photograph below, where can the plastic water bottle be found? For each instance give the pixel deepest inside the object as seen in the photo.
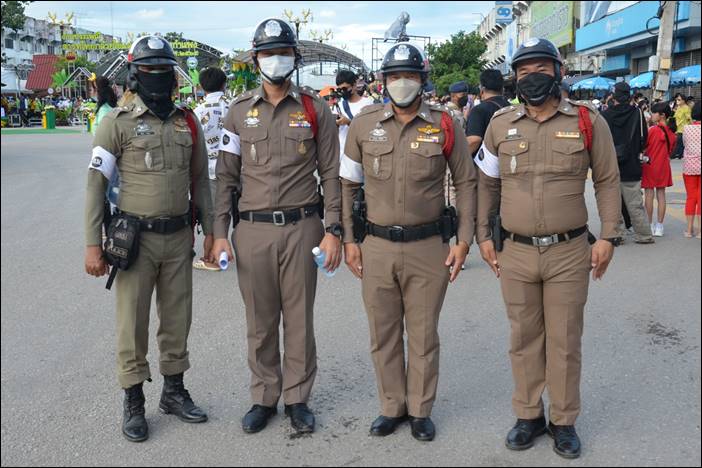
(319, 259)
(223, 261)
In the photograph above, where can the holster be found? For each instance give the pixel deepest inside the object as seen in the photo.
(498, 234)
(122, 244)
(359, 217)
(449, 223)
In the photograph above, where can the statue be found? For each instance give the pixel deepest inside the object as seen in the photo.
(398, 29)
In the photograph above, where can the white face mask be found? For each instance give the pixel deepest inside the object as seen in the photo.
(404, 91)
(276, 68)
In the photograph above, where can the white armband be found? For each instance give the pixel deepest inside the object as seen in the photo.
(103, 161)
(230, 142)
(350, 169)
(488, 162)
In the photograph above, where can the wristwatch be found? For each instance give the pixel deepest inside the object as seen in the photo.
(615, 241)
(335, 229)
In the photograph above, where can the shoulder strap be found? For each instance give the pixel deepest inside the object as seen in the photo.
(347, 108)
(585, 125)
(310, 113)
(447, 126)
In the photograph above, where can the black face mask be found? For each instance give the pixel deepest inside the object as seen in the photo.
(536, 88)
(462, 102)
(155, 90)
(346, 93)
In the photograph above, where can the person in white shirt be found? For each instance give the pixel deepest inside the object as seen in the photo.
(211, 113)
(350, 105)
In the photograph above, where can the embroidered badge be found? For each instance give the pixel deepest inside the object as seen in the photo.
(142, 128)
(252, 119)
(378, 133)
(97, 161)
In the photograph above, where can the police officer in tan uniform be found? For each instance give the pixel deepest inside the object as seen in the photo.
(274, 139)
(533, 163)
(400, 152)
(150, 143)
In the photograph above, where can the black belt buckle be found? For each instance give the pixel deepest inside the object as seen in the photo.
(279, 218)
(396, 233)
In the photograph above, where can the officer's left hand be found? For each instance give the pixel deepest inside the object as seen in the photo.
(602, 253)
(207, 249)
(342, 121)
(456, 258)
(331, 246)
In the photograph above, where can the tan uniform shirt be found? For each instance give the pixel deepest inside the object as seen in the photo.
(153, 159)
(403, 170)
(538, 172)
(271, 154)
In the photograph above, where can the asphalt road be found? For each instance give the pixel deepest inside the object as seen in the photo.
(61, 404)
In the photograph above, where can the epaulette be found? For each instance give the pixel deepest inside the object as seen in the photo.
(243, 97)
(504, 110)
(369, 109)
(587, 104)
(114, 113)
(310, 92)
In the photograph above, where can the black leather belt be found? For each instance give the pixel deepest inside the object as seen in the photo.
(545, 241)
(280, 218)
(405, 233)
(165, 225)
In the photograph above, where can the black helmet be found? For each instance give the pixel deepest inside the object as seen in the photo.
(404, 57)
(272, 33)
(148, 50)
(537, 48)
(151, 50)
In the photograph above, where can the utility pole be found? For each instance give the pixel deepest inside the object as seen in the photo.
(297, 21)
(665, 49)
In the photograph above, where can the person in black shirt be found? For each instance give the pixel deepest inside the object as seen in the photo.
(491, 100)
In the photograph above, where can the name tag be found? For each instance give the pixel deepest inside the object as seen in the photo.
(568, 135)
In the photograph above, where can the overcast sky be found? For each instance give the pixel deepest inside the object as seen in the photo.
(228, 25)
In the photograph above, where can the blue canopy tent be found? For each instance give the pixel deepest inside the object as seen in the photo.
(686, 76)
(596, 83)
(644, 80)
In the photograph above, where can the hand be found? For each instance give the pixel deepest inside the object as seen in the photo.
(342, 121)
(487, 251)
(95, 264)
(456, 257)
(207, 249)
(352, 255)
(331, 246)
(219, 246)
(602, 253)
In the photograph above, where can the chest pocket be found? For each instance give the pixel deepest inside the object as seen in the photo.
(254, 146)
(299, 147)
(146, 153)
(184, 149)
(427, 162)
(377, 159)
(569, 156)
(513, 157)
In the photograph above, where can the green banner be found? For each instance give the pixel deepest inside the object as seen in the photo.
(552, 21)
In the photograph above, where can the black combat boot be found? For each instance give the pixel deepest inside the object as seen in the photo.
(175, 399)
(523, 434)
(134, 425)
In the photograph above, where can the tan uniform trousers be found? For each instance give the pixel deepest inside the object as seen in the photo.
(277, 274)
(404, 285)
(545, 290)
(164, 261)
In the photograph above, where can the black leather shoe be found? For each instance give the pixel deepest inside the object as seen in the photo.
(385, 425)
(175, 399)
(134, 425)
(523, 434)
(566, 442)
(257, 418)
(301, 417)
(422, 429)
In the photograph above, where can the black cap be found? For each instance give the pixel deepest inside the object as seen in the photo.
(273, 33)
(536, 48)
(403, 57)
(151, 50)
(458, 87)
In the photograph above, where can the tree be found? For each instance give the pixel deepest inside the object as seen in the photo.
(457, 59)
(80, 61)
(174, 37)
(13, 15)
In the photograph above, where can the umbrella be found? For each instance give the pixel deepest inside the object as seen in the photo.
(686, 76)
(643, 80)
(571, 80)
(595, 83)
